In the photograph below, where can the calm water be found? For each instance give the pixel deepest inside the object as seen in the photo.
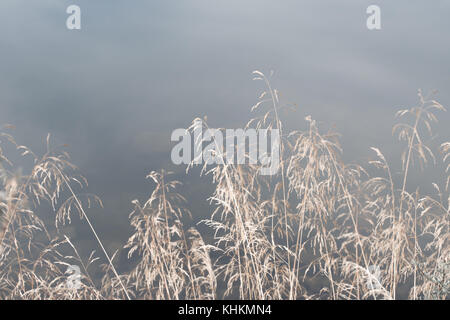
(116, 89)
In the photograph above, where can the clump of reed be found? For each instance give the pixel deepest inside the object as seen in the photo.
(174, 263)
(318, 229)
(33, 264)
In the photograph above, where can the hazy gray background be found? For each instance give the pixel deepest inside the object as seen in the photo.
(116, 89)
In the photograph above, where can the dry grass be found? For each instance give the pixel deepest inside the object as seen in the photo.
(319, 229)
